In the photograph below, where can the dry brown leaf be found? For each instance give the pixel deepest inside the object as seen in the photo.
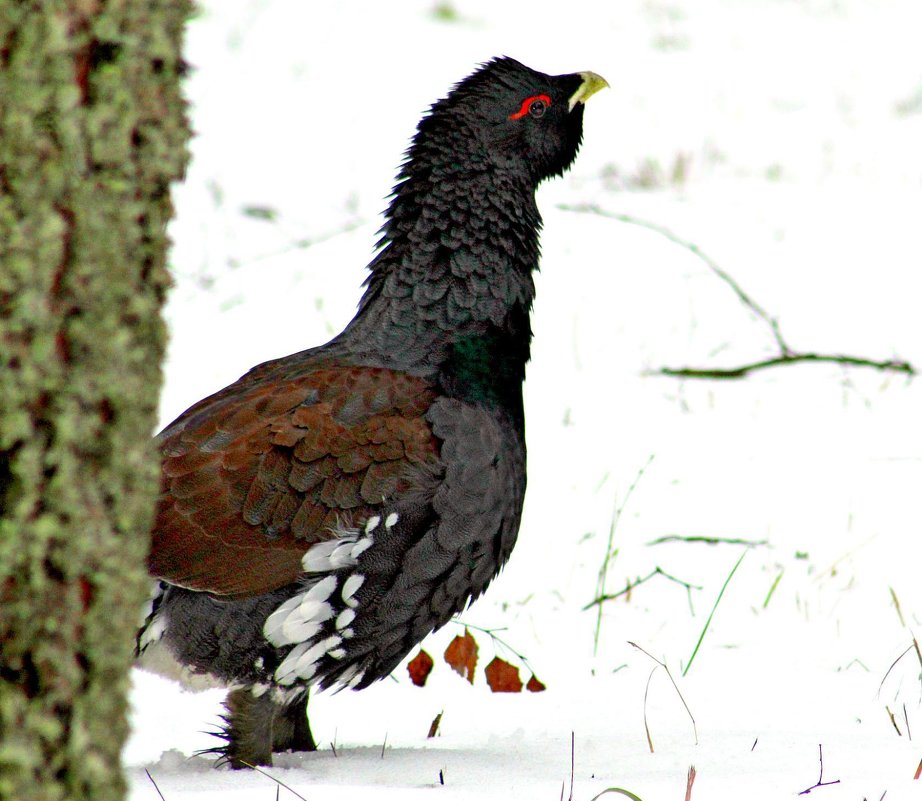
(503, 677)
(419, 668)
(535, 685)
(461, 654)
(434, 726)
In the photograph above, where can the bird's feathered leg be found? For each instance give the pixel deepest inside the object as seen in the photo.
(292, 729)
(256, 726)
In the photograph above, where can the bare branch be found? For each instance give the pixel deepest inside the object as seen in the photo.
(892, 365)
(786, 354)
(691, 247)
(629, 587)
(820, 782)
(707, 540)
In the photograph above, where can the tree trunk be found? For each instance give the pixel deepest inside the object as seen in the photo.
(92, 133)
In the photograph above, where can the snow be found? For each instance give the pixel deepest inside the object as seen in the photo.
(797, 126)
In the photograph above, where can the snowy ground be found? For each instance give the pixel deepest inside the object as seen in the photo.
(782, 138)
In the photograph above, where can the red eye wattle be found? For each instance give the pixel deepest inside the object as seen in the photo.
(535, 105)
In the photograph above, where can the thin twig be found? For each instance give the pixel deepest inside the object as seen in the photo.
(707, 540)
(707, 622)
(893, 665)
(723, 275)
(819, 783)
(893, 720)
(786, 354)
(893, 365)
(676, 686)
(154, 783)
(572, 762)
(631, 585)
(277, 781)
(491, 633)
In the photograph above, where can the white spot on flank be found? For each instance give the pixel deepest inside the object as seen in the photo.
(301, 616)
(360, 547)
(157, 590)
(347, 674)
(305, 670)
(305, 621)
(322, 590)
(342, 555)
(337, 653)
(259, 664)
(315, 610)
(286, 673)
(336, 553)
(272, 628)
(317, 558)
(345, 618)
(356, 679)
(347, 633)
(258, 690)
(306, 665)
(351, 587)
(392, 519)
(372, 524)
(154, 632)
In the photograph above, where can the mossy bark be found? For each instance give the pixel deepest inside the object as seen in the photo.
(92, 133)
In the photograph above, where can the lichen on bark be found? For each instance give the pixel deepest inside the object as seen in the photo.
(92, 133)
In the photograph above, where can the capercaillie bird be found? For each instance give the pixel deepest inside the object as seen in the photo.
(323, 514)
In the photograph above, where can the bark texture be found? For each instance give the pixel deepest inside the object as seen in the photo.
(92, 133)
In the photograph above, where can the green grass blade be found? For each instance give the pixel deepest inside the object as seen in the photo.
(707, 622)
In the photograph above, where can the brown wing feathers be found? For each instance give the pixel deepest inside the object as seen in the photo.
(254, 477)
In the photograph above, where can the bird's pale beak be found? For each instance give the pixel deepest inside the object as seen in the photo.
(591, 84)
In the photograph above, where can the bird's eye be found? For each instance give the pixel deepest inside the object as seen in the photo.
(535, 105)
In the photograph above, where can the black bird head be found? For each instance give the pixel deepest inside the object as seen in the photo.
(513, 117)
(506, 116)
